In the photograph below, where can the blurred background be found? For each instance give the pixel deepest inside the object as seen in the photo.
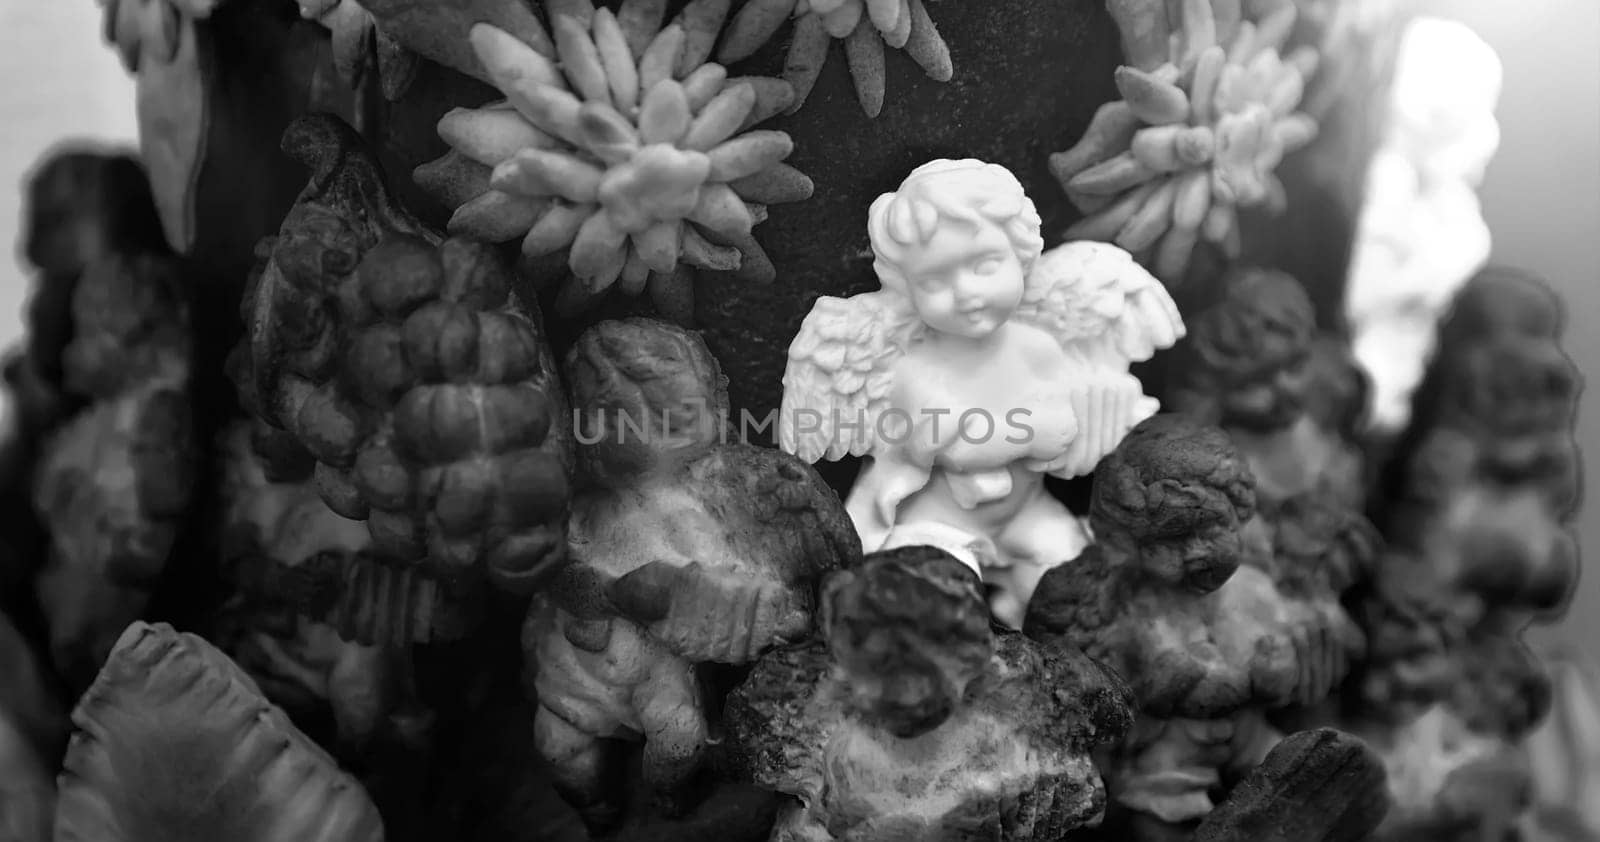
(63, 81)
(1541, 196)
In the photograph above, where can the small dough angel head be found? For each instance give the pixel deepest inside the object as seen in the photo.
(1175, 494)
(910, 631)
(1321, 548)
(1502, 301)
(130, 326)
(1250, 350)
(648, 396)
(1509, 387)
(958, 240)
(82, 205)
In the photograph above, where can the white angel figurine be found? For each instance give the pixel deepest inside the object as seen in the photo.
(980, 366)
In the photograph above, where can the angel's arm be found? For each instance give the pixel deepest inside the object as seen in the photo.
(707, 613)
(729, 597)
(934, 432)
(874, 501)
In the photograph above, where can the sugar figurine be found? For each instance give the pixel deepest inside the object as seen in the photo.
(982, 365)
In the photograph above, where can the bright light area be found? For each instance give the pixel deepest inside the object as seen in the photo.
(1421, 234)
(64, 83)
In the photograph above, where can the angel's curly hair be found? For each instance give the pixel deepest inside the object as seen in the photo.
(967, 190)
(642, 369)
(1264, 322)
(634, 363)
(1172, 476)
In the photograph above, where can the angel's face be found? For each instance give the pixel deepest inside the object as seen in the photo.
(966, 281)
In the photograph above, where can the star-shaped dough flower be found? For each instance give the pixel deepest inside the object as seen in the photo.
(359, 46)
(625, 148)
(1193, 139)
(865, 26)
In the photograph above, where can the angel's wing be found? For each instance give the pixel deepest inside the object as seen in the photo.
(1095, 299)
(1106, 311)
(840, 376)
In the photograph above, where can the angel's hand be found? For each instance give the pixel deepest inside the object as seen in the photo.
(1106, 407)
(1063, 463)
(710, 613)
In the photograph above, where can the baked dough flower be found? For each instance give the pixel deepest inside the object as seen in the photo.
(1196, 136)
(624, 148)
(865, 26)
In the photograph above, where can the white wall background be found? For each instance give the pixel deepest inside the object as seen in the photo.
(61, 82)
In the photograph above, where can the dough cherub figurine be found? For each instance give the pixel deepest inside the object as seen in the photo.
(983, 364)
(1255, 365)
(110, 392)
(686, 549)
(913, 717)
(1481, 548)
(1168, 513)
(1171, 597)
(289, 622)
